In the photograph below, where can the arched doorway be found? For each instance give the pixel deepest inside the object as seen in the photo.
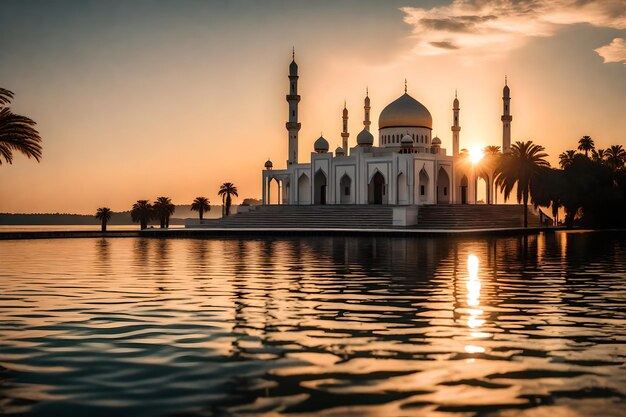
(423, 186)
(273, 191)
(482, 190)
(443, 187)
(345, 189)
(304, 189)
(376, 189)
(403, 195)
(464, 183)
(320, 183)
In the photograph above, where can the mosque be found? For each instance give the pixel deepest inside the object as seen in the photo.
(407, 167)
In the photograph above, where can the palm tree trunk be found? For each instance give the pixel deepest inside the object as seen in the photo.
(201, 212)
(144, 224)
(104, 226)
(525, 209)
(228, 205)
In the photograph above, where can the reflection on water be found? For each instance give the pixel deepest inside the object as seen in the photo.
(314, 326)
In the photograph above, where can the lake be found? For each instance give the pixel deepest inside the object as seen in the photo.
(328, 326)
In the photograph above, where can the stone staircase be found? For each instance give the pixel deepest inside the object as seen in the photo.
(480, 216)
(447, 216)
(330, 216)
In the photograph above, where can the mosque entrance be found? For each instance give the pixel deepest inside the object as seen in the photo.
(443, 187)
(320, 187)
(376, 189)
(464, 190)
(345, 185)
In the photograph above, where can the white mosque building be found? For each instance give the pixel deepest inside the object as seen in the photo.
(406, 167)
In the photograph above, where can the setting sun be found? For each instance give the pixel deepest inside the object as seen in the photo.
(476, 154)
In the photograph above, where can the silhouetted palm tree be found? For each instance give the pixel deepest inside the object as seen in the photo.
(226, 190)
(616, 156)
(16, 132)
(520, 167)
(201, 204)
(586, 144)
(142, 212)
(598, 155)
(163, 209)
(566, 158)
(104, 215)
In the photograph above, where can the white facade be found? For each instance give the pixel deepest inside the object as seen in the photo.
(408, 167)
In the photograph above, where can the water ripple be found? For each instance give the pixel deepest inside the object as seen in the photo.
(497, 327)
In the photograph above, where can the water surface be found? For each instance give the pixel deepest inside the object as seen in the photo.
(314, 326)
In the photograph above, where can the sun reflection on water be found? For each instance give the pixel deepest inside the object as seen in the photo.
(474, 320)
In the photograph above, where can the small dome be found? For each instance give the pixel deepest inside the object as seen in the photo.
(405, 112)
(455, 103)
(321, 145)
(406, 139)
(269, 164)
(436, 141)
(365, 138)
(339, 151)
(506, 91)
(293, 68)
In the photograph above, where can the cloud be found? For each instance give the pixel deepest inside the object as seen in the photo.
(613, 52)
(494, 27)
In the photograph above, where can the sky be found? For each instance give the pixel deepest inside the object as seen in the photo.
(139, 99)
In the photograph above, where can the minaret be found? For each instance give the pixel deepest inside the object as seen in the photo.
(367, 108)
(344, 133)
(293, 98)
(506, 118)
(455, 126)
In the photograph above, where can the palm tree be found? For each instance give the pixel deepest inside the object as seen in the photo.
(226, 190)
(616, 156)
(142, 212)
(586, 144)
(17, 133)
(598, 155)
(201, 204)
(163, 209)
(104, 215)
(566, 158)
(521, 166)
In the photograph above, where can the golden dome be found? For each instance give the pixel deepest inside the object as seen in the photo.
(405, 112)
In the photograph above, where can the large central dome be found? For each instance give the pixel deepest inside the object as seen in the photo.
(405, 112)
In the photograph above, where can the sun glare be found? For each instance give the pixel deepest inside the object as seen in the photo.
(476, 154)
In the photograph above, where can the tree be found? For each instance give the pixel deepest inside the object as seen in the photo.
(104, 215)
(17, 133)
(226, 191)
(547, 190)
(566, 158)
(521, 166)
(598, 155)
(616, 156)
(163, 209)
(201, 204)
(585, 144)
(142, 212)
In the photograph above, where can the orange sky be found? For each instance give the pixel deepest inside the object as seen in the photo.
(134, 101)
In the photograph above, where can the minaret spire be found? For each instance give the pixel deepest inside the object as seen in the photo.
(293, 98)
(506, 117)
(367, 108)
(405, 86)
(456, 128)
(344, 132)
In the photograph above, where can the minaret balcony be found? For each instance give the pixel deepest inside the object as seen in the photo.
(293, 97)
(293, 125)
